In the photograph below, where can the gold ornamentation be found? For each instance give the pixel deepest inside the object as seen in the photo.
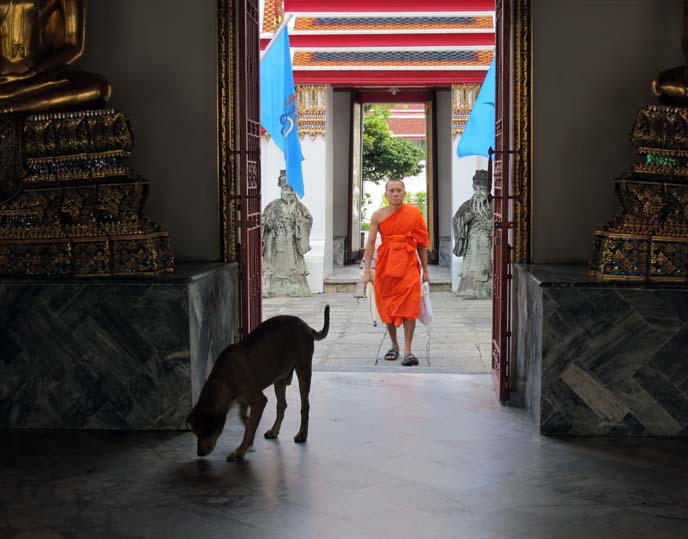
(67, 222)
(38, 43)
(311, 110)
(661, 128)
(671, 85)
(76, 146)
(522, 102)
(11, 170)
(648, 239)
(226, 166)
(464, 96)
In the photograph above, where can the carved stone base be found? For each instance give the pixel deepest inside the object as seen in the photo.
(143, 254)
(624, 257)
(80, 209)
(648, 239)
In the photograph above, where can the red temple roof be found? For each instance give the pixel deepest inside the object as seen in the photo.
(401, 43)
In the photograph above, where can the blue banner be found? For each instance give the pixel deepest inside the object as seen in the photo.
(479, 133)
(278, 107)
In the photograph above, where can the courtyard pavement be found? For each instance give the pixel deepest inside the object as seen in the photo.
(457, 342)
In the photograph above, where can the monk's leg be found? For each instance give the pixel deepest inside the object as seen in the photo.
(409, 328)
(392, 329)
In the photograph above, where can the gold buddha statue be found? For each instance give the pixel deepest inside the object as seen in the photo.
(671, 85)
(38, 41)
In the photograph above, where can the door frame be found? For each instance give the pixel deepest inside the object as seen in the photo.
(513, 182)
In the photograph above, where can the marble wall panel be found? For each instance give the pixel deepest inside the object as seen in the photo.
(613, 358)
(214, 322)
(111, 354)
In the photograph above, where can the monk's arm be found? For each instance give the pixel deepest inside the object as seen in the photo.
(370, 249)
(423, 254)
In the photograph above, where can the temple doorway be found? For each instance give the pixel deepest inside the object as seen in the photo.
(351, 64)
(390, 140)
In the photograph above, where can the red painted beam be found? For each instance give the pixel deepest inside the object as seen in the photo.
(402, 96)
(360, 78)
(350, 41)
(366, 6)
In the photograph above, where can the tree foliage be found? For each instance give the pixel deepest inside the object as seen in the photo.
(386, 157)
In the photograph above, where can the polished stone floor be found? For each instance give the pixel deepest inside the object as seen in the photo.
(389, 455)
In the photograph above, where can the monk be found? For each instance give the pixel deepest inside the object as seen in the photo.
(397, 270)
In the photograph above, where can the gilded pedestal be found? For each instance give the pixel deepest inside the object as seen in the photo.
(70, 204)
(648, 239)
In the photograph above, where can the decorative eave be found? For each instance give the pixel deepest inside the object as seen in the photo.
(361, 44)
(402, 78)
(387, 6)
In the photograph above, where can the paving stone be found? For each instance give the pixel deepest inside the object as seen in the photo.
(458, 341)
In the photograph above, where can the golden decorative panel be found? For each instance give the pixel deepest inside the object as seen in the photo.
(311, 110)
(226, 158)
(464, 96)
(522, 131)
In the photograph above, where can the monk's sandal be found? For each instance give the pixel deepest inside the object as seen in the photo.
(392, 354)
(409, 360)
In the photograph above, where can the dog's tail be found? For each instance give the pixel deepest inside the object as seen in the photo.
(320, 335)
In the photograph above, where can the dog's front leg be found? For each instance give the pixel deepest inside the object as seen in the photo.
(256, 406)
(280, 393)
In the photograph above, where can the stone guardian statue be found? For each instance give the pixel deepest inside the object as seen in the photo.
(286, 238)
(473, 241)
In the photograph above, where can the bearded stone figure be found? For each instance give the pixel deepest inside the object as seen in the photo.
(286, 238)
(473, 241)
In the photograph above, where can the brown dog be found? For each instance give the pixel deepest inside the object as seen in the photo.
(268, 355)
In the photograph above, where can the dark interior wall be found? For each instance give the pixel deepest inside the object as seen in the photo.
(593, 62)
(160, 56)
(444, 162)
(342, 141)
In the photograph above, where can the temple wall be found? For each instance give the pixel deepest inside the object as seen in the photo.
(161, 56)
(342, 141)
(444, 174)
(588, 84)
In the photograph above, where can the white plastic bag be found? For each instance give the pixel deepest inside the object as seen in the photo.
(425, 316)
(370, 294)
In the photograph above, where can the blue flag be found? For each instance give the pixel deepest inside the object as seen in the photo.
(278, 107)
(479, 133)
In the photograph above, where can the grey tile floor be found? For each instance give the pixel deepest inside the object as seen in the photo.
(458, 340)
(390, 455)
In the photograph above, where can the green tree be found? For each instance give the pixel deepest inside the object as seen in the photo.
(386, 157)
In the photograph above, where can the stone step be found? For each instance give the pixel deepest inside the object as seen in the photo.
(356, 287)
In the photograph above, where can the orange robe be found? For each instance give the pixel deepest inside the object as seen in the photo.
(397, 269)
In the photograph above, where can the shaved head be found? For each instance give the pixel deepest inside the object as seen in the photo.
(400, 181)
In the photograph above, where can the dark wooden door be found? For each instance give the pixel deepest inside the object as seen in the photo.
(500, 171)
(248, 162)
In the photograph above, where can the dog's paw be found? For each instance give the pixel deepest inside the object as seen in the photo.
(300, 438)
(235, 457)
(271, 434)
